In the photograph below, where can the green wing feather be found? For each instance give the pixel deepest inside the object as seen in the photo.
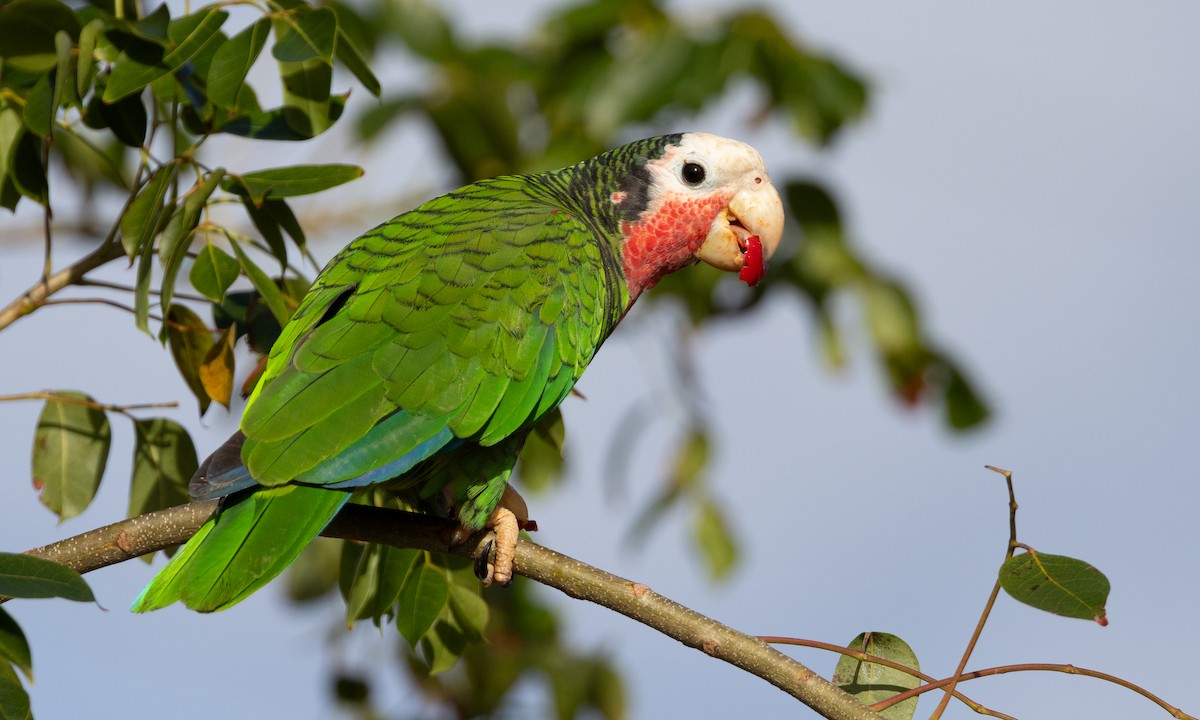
(242, 548)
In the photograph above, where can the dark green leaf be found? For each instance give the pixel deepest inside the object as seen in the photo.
(177, 236)
(280, 123)
(268, 228)
(265, 286)
(443, 646)
(164, 460)
(70, 450)
(145, 214)
(306, 34)
(964, 408)
(356, 63)
(315, 573)
(233, 60)
(14, 701)
(308, 108)
(213, 272)
(125, 117)
(715, 540)
(189, 34)
(24, 576)
(14, 648)
(11, 129)
(870, 683)
(190, 343)
(27, 171)
(290, 181)
(141, 294)
(39, 110)
(424, 595)
(1057, 584)
(27, 30)
(216, 370)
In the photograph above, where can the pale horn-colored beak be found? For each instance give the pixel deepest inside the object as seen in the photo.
(730, 245)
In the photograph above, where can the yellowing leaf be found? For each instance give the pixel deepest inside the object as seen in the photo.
(216, 370)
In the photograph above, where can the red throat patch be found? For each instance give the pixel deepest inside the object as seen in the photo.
(666, 239)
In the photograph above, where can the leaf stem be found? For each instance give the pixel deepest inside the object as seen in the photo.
(987, 608)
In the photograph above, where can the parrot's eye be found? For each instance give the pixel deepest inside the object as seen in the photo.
(692, 173)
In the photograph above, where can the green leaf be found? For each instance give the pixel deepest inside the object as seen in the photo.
(190, 341)
(213, 272)
(356, 63)
(86, 69)
(14, 701)
(542, 457)
(70, 450)
(39, 112)
(27, 30)
(189, 34)
(24, 576)
(443, 646)
(870, 683)
(164, 460)
(715, 540)
(290, 181)
(964, 408)
(1057, 584)
(306, 34)
(280, 123)
(216, 370)
(232, 62)
(424, 595)
(177, 236)
(268, 228)
(144, 217)
(470, 610)
(14, 648)
(382, 571)
(307, 105)
(265, 286)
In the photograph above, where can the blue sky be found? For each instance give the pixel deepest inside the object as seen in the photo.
(1031, 172)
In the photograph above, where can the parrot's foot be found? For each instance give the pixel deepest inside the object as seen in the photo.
(499, 570)
(506, 521)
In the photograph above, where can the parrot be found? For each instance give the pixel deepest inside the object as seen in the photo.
(428, 348)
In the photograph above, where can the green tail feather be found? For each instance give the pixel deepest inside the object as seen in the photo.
(242, 549)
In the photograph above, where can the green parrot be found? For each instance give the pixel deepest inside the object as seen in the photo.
(427, 348)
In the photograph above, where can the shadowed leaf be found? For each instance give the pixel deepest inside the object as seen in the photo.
(870, 683)
(14, 701)
(14, 648)
(425, 593)
(190, 342)
(164, 460)
(233, 60)
(145, 214)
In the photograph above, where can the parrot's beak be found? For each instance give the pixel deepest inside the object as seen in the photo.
(756, 212)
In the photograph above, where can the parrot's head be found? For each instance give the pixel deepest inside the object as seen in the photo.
(705, 198)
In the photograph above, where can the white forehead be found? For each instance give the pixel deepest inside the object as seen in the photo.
(723, 159)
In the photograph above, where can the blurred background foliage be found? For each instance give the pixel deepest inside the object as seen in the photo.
(117, 100)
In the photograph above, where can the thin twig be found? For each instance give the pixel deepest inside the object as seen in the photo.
(868, 658)
(987, 608)
(47, 395)
(1039, 667)
(130, 289)
(155, 531)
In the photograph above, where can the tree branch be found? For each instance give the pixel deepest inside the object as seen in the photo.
(155, 531)
(36, 296)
